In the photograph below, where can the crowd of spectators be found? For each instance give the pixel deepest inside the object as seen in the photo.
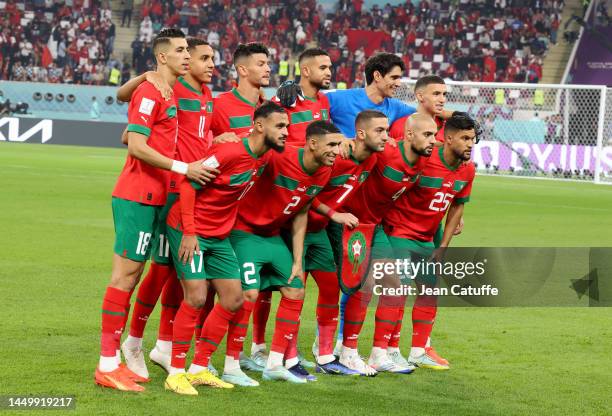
(477, 40)
(67, 41)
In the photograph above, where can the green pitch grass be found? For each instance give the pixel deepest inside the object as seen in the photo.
(55, 260)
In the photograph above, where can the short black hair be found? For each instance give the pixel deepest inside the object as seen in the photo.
(311, 53)
(428, 80)
(459, 121)
(321, 128)
(248, 49)
(267, 108)
(192, 42)
(367, 115)
(382, 62)
(164, 36)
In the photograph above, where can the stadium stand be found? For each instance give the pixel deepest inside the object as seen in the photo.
(492, 40)
(52, 41)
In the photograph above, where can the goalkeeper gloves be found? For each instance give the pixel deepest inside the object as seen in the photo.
(288, 93)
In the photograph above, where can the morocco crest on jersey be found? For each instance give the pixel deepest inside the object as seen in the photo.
(355, 254)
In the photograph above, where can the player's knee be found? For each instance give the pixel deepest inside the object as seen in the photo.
(250, 296)
(233, 302)
(294, 293)
(195, 300)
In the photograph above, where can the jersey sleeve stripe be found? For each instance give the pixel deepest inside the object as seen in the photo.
(430, 182)
(187, 104)
(285, 182)
(313, 190)
(339, 180)
(137, 128)
(462, 200)
(240, 121)
(301, 117)
(240, 178)
(392, 174)
(459, 185)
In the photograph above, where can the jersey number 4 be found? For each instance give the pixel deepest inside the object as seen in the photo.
(440, 202)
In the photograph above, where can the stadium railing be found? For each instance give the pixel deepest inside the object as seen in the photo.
(536, 130)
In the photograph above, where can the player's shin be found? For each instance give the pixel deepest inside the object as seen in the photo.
(113, 318)
(287, 324)
(184, 325)
(327, 313)
(214, 329)
(146, 298)
(261, 313)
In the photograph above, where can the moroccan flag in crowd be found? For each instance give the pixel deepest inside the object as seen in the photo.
(371, 40)
(47, 58)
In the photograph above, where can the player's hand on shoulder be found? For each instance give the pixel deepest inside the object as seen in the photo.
(226, 137)
(346, 147)
(391, 142)
(160, 84)
(288, 93)
(189, 247)
(345, 218)
(201, 174)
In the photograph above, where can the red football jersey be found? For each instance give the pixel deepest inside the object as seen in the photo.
(210, 211)
(346, 177)
(195, 109)
(232, 112)
(150, 115)
(397, 129)
(302, 114)
(417, 214)
(281, 192)
(391, 176)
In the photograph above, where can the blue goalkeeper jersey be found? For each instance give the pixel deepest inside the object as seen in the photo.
(346, 104)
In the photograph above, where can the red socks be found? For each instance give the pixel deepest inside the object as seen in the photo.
(327, 309)
(395, 335)
(354, 315)
(261, 312)
(287, 324)
(146, 298)
(184, 324)
(385, 320)
(171, 298)
(214, 330)
(238, 328)
(208, 307)
(423, 317)
(114, 307)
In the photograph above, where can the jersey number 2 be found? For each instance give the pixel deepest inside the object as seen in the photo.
(294, 201)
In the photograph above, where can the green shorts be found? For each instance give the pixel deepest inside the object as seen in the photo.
(420, 252)
(318, 253)
(215, 261)
(438, 236)
(159, 243)
(254, 253)
(135, 224)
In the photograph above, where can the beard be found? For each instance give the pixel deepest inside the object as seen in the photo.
(319, 85)
(272, 144)
(422, 152)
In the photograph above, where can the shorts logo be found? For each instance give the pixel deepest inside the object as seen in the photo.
(357, 249)
(146, 106)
